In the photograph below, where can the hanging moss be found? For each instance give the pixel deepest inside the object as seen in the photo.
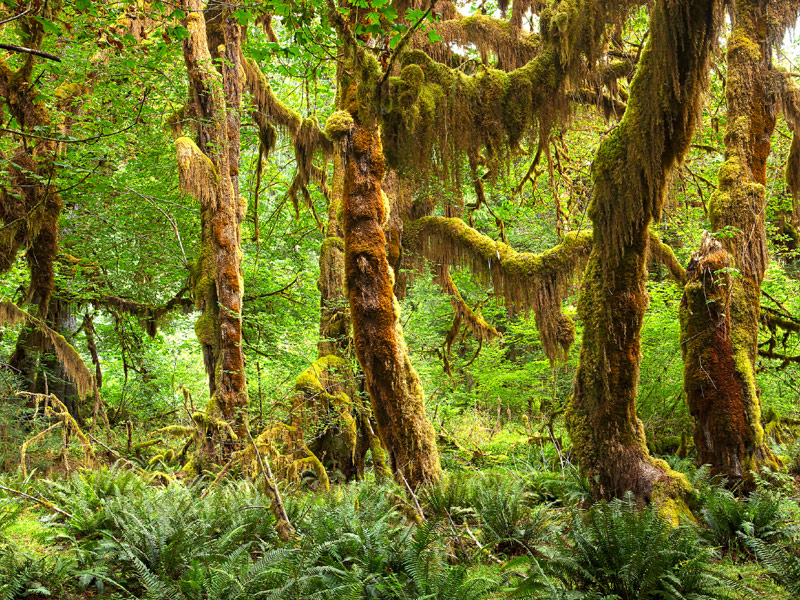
(11, 314)
(537, 282)
(508, 47)
(480, 329)
(428, 125)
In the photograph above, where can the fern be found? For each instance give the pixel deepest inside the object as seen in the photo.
(615, 550)
(726, 517)
(783, 566)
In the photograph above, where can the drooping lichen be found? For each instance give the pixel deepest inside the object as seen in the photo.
(493, 38)
(11, 314)
(526, 281)
(430, 122)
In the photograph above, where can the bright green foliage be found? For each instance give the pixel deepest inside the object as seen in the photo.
(617, 550)
(728, 518)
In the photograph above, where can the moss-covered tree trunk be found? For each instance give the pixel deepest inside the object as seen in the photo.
(207, 173)
(721, 302)
(30, 203)
(330, 387)
(393, 384)
(630, 173)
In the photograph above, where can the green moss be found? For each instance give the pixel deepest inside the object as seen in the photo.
(309, 380)
(379, 458)
(176, 430)
(331, 242)
(340, 123)
(148, 444)
(206, 328)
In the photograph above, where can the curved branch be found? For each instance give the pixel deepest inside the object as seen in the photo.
(480, 329)
(661, 252)
(11, 314)
(527, 281)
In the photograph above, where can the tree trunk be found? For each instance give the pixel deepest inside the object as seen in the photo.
(334, 397)
(630, 173)
(720, 308)
(393, 384)
(207, 173)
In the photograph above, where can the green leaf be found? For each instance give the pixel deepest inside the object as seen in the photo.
(434, 37)
(49, 26)
(242, 16)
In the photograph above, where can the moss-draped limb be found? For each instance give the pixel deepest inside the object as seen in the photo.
(630, 174)
(432, 115)
(306, 135)
(527, 281)
(480, 329)
(206, 174)
(663, 253)
(11, 314)
(720, 312)
(393, 385)
(511, 46)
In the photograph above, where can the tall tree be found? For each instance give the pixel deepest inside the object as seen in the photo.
(208, 172)
(630, 173)
(394, 387)
(720, 309)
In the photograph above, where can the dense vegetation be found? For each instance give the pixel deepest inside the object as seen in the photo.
(399, 299)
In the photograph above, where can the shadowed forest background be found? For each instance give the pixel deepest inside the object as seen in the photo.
(399, 299)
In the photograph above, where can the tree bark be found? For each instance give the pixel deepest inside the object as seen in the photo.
(630, 173)
(720, 308)
(393, 384)
(208, 173)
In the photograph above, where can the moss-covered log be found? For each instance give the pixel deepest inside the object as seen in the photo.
(393, 384)
(206, 173)
(630, 174)
(527, 281)
(720, 312)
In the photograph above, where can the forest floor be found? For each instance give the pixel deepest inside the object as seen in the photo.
(506, 521)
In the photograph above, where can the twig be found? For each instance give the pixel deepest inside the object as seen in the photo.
(24, 50)
(15, 17)
(404, 42)
(413, 496)
(41, 501)
(117, 454)
(276, 496)
(91, 139)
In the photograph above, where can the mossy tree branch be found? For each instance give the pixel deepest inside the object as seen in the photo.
(527, 281)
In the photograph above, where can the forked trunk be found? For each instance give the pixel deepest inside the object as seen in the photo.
(630, 173)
